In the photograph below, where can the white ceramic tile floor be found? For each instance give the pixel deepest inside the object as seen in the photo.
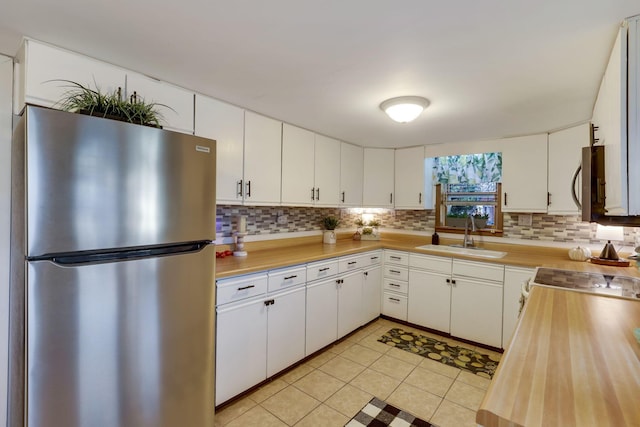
(331, 388)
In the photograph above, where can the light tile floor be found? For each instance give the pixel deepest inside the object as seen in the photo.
(331, 388)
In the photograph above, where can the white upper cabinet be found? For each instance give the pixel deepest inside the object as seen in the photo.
(633, 62)
(175, 104)
(224, 123)
(565, 151)
(351, 174)
(524, 174)
(38, 66)
(298, 155)
(327, 171)
(378, 178)
(410, 192)
(262, 160)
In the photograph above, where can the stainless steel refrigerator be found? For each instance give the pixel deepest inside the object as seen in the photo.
(112, 290)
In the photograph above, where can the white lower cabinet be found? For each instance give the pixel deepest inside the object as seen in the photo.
(394, 305)
(285, 329)
(430, 299)
(514, 277)
(322, 315)
(372, 293)
(241, 340)
(350, 304)
(395, 285)
(476, 310)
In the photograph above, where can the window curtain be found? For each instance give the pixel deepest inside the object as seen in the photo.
(468, 168)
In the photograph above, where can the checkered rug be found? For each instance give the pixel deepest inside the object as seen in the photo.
(377, 413)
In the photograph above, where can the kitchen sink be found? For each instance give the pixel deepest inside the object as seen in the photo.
(470, 251)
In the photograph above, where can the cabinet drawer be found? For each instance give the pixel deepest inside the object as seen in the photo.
(478, 270)
(396, 286)
(431, 263)
(394, 305)
(286, 277)
(239, 288)
(349, 263)
(321, 270)
(396, 257)
(370, 258)
(395, 272)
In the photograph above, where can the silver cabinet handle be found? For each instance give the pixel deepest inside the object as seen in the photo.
(395, 257)
(239, 188)
(394, 271)
(318, 194)
(313, 194)
(394, 284)
(394, 299)
(420, 198)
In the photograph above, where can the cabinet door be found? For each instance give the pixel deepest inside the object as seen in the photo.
(351, 170)
(322, 315)
(565, 154)
(476, 311)
(524, 174)
(378, 178)
(372, 293)
(241, 340)
(298, 187)
(327, 171)
(513, 279)
(430, 299)
(410, 179)
(262, 160)
(224, 123)
(286, 330)
(349, 303)
(39, 63)
(176, 103)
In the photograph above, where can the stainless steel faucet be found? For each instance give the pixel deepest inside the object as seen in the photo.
(468, 239)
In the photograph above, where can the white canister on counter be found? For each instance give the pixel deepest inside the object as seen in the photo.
(579, 253)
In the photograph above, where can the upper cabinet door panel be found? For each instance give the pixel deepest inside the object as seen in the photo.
(224, 123)
(351, 174)
(410, 181)
(327, 171)
(378, 177)
(262, 160)
(297, 166)
(565, 151)
(39, 65)
(524, 174)
(177, 103)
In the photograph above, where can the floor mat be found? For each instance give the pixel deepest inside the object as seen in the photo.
(378, 413)
(483, 365)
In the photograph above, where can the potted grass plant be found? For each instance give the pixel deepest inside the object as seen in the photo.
(329, 223)
(84, 100)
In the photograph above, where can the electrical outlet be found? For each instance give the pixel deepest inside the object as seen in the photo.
(282, 219)
(525, 220)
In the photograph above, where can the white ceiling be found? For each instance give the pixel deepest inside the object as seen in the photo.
(491, 68)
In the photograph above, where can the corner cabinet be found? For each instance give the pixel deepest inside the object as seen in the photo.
(410, 192)
(524, 192)
(378, 178)
(224, 123)
(262, 160)
(351, 174)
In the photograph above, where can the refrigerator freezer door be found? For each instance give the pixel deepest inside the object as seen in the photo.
(125, 344)
(99, 184)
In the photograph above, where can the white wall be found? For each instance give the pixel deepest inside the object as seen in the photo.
(6, 78)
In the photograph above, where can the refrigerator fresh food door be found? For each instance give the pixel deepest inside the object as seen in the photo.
(121, 344)
(93, 183)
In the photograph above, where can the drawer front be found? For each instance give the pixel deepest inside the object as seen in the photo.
(431, 263)
(396, 257)
(370, 258)
(321, 270)
(395, 272)
(349, 263)
(396, 286)
(239, 288)
(287, 277)
(478, 270)
(394, 305)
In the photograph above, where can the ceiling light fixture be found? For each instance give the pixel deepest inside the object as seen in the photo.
(404, 109)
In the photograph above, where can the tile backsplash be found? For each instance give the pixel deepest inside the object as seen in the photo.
(263, 220)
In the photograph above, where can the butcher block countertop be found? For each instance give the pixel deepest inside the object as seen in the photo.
(573, 361)
(279, 253)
